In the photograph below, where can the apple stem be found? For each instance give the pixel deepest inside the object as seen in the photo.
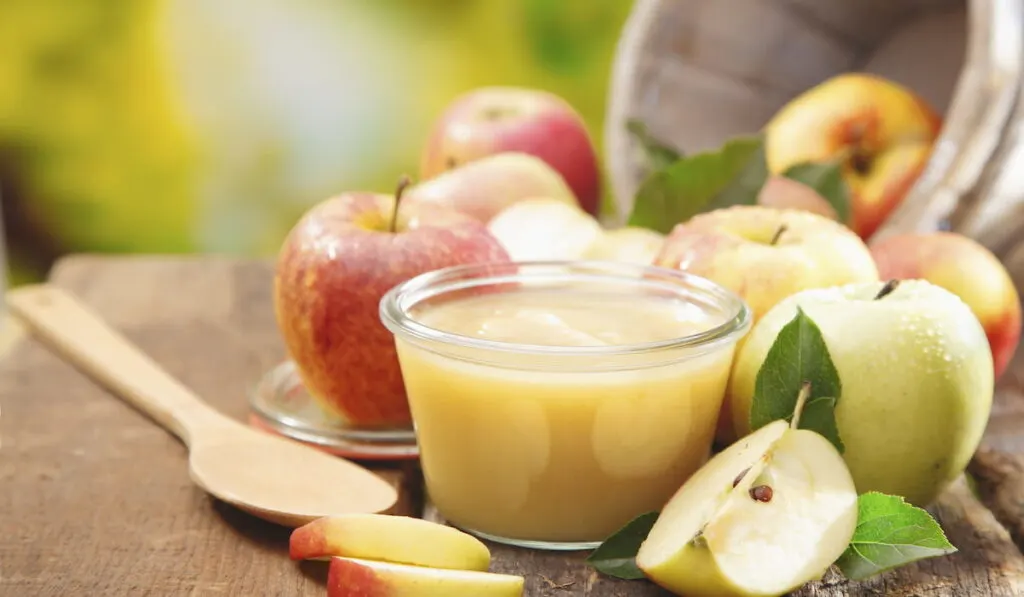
(801, 400)
(778, 234)
(887, 289)
(403, 182)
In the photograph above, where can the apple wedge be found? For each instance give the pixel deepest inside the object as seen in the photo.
(397, 539)
(350, 577)
(763, 517)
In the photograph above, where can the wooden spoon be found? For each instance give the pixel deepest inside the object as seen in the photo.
(274, 478)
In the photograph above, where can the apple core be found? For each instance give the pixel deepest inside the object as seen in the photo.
(555, 401)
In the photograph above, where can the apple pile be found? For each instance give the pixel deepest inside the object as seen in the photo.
(918, 326)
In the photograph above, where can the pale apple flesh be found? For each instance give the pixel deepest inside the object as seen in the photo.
(965, 268)
(882, 132)
(544, 229)
(629, 245)
(352, 577)
(484, 187)
(397, 539)
(916, 374)
(493, 120)
(765, 516)
(331, 272)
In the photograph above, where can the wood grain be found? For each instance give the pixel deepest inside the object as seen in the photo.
(96, 499)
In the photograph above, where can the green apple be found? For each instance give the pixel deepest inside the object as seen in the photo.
(916, 374)
(763, 517)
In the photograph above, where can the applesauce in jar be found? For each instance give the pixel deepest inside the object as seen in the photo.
(555, 402)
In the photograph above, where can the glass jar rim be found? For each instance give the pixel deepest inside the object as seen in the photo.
(396, 304)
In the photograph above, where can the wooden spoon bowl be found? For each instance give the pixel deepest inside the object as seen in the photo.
(271, 477)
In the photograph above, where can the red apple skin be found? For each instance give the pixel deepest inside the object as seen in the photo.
(965, 268)
(493, 120)
(784, 193)
(881, 131)
(331, 273)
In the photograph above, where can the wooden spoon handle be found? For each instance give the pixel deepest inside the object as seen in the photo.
(80, 336)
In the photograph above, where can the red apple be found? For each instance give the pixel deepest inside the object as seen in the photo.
(486, 186)
(337, 262)
(493, 120)
(881, 132)
(968, 270)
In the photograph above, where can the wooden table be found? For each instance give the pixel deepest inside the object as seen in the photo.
(95, 500)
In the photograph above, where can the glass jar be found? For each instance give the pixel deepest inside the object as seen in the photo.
(550, 445)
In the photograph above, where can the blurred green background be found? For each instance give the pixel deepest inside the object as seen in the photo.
(210, 125)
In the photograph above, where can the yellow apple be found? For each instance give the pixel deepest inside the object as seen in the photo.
(968, 270)
(351, 577)
(398, 539)
(916, 377)
(544, 228)
(881, 131)
(761, 518)
(766, 254)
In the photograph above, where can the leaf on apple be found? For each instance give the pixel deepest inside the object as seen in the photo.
(826, 178)
(699, 182)
(616, 556)
(659, 155)
(890, 533)
(798, 356)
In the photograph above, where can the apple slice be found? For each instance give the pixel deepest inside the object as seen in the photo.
(350, 577)
(543, 228)
(398, 539)
(765, 516)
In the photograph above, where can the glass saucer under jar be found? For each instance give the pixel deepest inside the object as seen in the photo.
(281, 404)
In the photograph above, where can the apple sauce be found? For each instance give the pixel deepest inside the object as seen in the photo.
(550, 414)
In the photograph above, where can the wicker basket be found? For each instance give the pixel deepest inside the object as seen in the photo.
(699, 71)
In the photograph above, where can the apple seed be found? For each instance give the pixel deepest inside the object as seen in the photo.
(761, 493)
(887, 289)
(740, 476)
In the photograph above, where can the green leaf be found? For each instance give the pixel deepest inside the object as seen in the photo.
(616, 556)
(687, 187)
(747, 184)
(827, 180)
(890, 533)
(798, 355)
(659, 155)
(819, 415)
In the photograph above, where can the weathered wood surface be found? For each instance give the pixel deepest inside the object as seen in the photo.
(96, 499)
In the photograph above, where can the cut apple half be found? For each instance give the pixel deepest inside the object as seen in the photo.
(763, 517)
(351, 577)
(397, 539)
